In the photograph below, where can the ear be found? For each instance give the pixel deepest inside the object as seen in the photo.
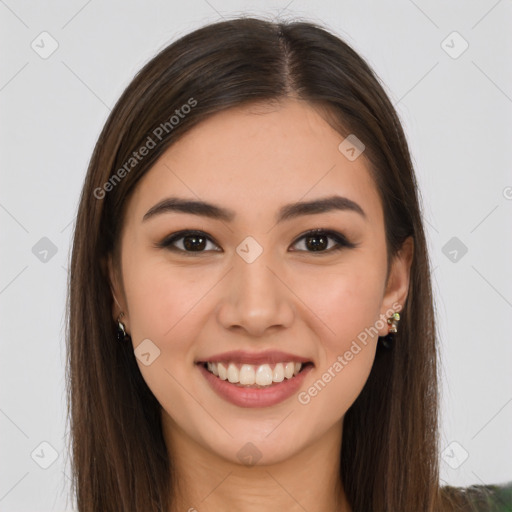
(397, 286)
(119, 302)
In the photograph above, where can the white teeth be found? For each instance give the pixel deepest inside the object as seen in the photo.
(233, 373)
(248, 374)
(223, 374)
(278, 375)
(264, 375)
(288, 370)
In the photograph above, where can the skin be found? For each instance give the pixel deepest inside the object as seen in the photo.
(193, 305)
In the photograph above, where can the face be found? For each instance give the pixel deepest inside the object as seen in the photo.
(249, 278)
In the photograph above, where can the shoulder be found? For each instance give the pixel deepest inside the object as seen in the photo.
(477, 498)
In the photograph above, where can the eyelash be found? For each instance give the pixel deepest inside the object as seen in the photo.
(341, 241)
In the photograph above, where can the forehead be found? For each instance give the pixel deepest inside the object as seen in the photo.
(256, 158)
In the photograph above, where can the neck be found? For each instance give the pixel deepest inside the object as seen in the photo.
(204, 481)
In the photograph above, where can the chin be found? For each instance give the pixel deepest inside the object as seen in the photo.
(258, 449)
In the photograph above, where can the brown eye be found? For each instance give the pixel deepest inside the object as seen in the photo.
(188, 241)
(318, 240)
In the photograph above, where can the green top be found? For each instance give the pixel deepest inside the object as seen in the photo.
(500, 497)
(480, 498)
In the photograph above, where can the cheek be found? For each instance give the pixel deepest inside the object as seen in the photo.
(167, 306)
(328, 395)
(346, 305)
(346, 300)
(161, 296)
(163, 307)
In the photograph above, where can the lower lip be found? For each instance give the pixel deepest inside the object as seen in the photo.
(254, 397)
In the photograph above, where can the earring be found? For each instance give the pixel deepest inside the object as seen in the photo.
(393, 324)
(121, 331)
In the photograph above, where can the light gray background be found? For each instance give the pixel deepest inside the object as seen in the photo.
(457, 116)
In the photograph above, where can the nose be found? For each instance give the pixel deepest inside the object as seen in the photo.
(256, 298)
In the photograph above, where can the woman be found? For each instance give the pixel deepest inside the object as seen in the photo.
(250, 230)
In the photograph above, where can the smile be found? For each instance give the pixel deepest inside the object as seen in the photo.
(263, 375)
(255, 385)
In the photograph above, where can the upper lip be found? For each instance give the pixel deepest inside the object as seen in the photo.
(242, 356)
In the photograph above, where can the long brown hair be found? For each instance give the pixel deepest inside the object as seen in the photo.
(389, 457)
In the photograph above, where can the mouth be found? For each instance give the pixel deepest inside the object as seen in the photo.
(255, 376)
(255, 379)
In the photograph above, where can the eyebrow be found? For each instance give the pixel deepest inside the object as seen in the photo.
(286, 212)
